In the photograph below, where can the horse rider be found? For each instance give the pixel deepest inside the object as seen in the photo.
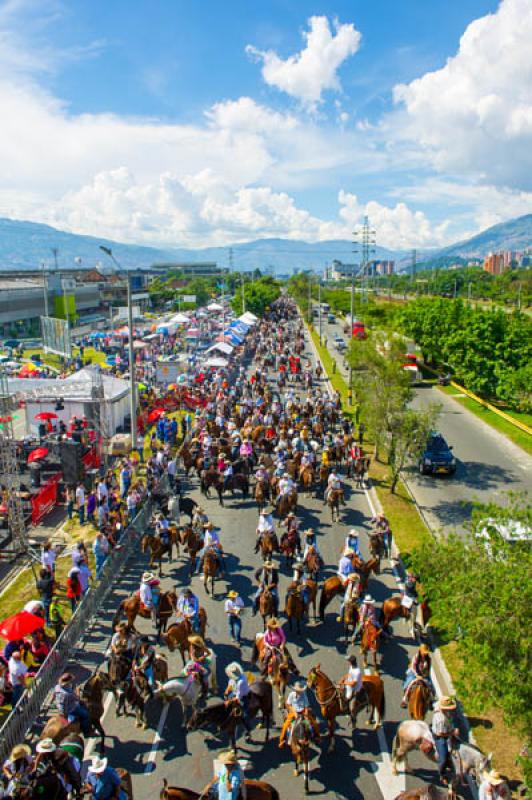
(124, 640)
(352, 683)
(418, 670)
(351, 593)
(51, 760)
(17, 767)
(291, 524)
(149, 593)
(162, 529)
(238, 691)
(69, 705)
(144, 661)
(298, 705)
(382, 526)
(311, 544)
(334, 483)
(444, 731)
(199, 519)
(265, 525)
(211, 541)
(493, 787)
(187, 609)
(103, 782)
(274, 639)
(227, 473)
(345, 565)
(367, 614)
(268, 578)
(199, 660)
(299, 584)
(352, 543)
(285, 486)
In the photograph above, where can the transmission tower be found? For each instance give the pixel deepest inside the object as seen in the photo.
(365, 239)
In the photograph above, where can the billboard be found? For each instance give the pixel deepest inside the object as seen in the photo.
(65, 305)
(167, 372)
(56, 336)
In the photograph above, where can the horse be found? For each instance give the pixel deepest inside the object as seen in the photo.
(415, 617)
(240, 482)
(191, 541)
(176, 637)
(369, 642)
(224, 716)
(412, 735)
(306, 478)
(428, 792)
(295, 607)
(419, 700)
(300, 746)
(132, 607)
(262, 493)
(208, 478)
(286, 503)
(376, 549)
(290, 544)
(332, 705)
(255, 790)
(333, 586)
(92, 694)
(157, 549)
(349, 617)
(266, 605)
(210, 569)
(324, 476)
(268, 545)
(313, 564)
(333, 501)
(186, 690)
(279, 666)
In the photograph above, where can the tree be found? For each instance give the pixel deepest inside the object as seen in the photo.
(258, 296)
(481, 594)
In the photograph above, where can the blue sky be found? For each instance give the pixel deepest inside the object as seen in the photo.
(170, 122)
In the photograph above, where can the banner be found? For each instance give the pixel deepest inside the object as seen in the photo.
(45, 500)
(167, 372)
(56, 336)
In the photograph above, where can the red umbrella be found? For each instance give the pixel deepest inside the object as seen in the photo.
(20, 625)
(36, 455)
(46, 415)
(154, 415)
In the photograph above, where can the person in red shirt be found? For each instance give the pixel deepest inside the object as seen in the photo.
(73, 585)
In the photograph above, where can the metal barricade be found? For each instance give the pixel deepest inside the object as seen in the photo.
(23, 716)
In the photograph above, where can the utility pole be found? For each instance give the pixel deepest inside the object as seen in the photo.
(367, 240)
(454, 290)
(319, 305)
(309, 313)
(45, 288)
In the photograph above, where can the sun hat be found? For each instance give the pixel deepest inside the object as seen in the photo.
(268, 564)
(353, 532)
(20, 751)
(446, 703)
(273, 622)
(46, 746)
(309, 532)
(493, 777)
(349, 551)
(228, 758)
(232, 594)
(425, 649)
(233, 670)
(353, 576)
(368, 599)
(147, 577)
(196, 639)
(98, 765)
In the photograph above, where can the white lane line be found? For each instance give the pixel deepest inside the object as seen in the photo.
(390, 785)
(150, 764)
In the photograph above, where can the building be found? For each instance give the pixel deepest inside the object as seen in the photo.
(200, 269)
(338, 271)
(494, 263)
(381, 267)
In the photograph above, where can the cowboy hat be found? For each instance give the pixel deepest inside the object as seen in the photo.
(196, 639)
(349, 551)
(65, 678)
(300, 686)
(233, 670)
(232, 594)
(353, 532)
(353, 576)
(273, 622)
(200, 510)
(228, 758)
(425, 649)
(98, 765)
(208, 524)
(299, 566)
(446, 704)
(290, 514)
(147, 577)
(20, 751)
(268, 564)
(309, 532)
(368, 599)
(493, 777)
(46, 746)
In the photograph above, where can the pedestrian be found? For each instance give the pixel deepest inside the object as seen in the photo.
(73, 588)
(85, 576)
(101, 549)
(91, 507)
(233, 609)
(443, 731)
(17, 676)
(80, 501)
(70, 499)
(48, 557)
(56, 618)
(45, 587)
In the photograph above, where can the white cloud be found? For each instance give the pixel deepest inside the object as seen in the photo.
(306, 75)
(474, 116)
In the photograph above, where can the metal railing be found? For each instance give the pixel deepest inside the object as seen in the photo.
(23, 715)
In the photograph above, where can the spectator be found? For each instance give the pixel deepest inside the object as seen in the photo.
(85, 576)
(125, 480)
(45, 587)
(73, 588)
(70, 499)
(80, 500)
(17, 676)
(48, 557)
(56, 618)
(79, 554)
(100, 549)
(103, 510)
(91, 507)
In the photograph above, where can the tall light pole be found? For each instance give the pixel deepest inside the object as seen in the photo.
(319, 304)
(132, 370)
(45, 288)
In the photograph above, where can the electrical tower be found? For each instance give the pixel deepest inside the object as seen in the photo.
(365, 239)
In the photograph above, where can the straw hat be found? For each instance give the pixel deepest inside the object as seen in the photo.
(197, 640)
(353, 532)
(234, 670)
(353, 576)
(228, 758)
(290, 514)
(494, 778)
(268, 564)
(425, 649)
(147, 577)
(232, 594)
(20, 751)
(309, 532)
(200, 510)
(98, 765)
(46, 746)
(273, 622)
(208, 524)
(446, 704)
(369, 599)
(349, 551)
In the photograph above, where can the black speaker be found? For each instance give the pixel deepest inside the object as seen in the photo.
(71, 463)
(35, 476)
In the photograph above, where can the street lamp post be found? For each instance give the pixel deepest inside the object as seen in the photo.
(319, 306)
(132, 370)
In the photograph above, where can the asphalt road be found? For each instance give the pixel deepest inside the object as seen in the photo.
(360, 767)
(488, 464)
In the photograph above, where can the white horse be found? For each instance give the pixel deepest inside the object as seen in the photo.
(412, 735)
(186, 690)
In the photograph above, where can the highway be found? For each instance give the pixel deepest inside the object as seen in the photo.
(488, 464)
(360, 767)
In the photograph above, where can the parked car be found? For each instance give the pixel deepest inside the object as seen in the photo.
(437, 458)
(331, 318)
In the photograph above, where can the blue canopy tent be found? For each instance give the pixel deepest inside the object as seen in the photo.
(233, 338)
(97, 335)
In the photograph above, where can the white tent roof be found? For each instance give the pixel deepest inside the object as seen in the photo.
(215, 307)
(216, 362)
(180, 319)
(248, 318)
(223, 347)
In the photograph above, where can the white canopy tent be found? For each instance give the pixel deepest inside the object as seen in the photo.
(248, 318)
(216, 362)
(215, 307)
(180, 319)
(223, 347)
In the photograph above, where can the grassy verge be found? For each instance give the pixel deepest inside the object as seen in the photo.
(517, 436)
(329, 363)
(55, 361)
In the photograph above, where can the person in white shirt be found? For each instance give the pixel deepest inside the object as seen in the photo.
(80, 501)
(352, 681)
(233, 609)
(48, 557)
(17, 676)
(103, 492)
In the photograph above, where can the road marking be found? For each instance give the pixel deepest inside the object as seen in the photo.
(92, 741)
(150, 764)
(390, 785)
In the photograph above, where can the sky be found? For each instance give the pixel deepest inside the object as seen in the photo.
(199, 123)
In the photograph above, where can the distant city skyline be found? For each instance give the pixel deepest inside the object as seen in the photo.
(192, 125)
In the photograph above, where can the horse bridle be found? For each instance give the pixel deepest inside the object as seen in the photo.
(335, 692)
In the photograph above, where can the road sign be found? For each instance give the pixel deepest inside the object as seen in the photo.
(188, 298)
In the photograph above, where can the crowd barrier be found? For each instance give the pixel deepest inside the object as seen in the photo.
(23, 716)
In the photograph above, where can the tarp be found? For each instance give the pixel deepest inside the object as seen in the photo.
(239, 327)
(248, 318)
(180, 319)
(216, 362)
(234, 338)
(223, 347)
(215, 307)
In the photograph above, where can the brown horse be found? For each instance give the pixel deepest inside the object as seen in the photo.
(306, 479)
(393, 609)
(369, 642)
(269, 545)
(296, 608)
(176, 637)
(211, 478)
(290, 544)
(349, 618)
(313, 564)
(286, 503)
(333, 586)
(419, 700)
(210, 570)
(262, 493)
(332, 704)
(133, 608)
(376, 549)
(192, 543)
(279, 666)
(300, 737)
(428, 792)
(266, 605)
(157, 549)
(324, 476)
(255, 790)
(334, 498)
(92, 694)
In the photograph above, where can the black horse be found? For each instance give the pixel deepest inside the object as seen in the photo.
(226, 717)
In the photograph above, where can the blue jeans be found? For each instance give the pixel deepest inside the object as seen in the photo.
(17, 693)
(81, 713)
(235, 627)
(100, 561)
(81, 512)
(443, 749)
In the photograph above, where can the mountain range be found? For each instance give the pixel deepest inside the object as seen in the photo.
(27, 245)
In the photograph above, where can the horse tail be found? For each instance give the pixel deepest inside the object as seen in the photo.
(116, 618)
(323, 603)
(274, 794)
(255, 653)
(382, 704)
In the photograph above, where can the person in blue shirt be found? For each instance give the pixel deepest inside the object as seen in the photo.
(188, 609)
(352, 543)
(227, 784)
(103, 781)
